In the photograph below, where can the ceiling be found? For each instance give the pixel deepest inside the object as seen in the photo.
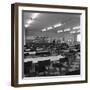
(44, 20)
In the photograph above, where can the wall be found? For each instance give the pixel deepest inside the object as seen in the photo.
(5, 45)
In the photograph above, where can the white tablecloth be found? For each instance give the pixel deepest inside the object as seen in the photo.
(52, 58)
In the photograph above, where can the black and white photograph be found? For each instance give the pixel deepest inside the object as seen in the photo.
(49, 44)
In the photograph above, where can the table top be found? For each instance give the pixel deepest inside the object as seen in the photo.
(52, 58)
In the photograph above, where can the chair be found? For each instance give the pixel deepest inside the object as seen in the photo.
(63, 65)
(26, 54)
(27, 68)
(42, 67)
(76, 72)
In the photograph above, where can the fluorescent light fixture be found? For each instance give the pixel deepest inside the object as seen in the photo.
(78, 31)
(34, 15)
(68, 29)
(59, 31)
(76, 27)
(43, 30)
(72, 32)
(29, 21)
(26, 25)
(57, 25)
(49, 28)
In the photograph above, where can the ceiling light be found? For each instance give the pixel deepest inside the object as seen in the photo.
(68, 29)
(26, 25)
(57, 25)
(29, 21)
(78, 31)
(76, 27)
(43, 30)
(34, 15)
(59, 31)
(72, 32)
(48, 28)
